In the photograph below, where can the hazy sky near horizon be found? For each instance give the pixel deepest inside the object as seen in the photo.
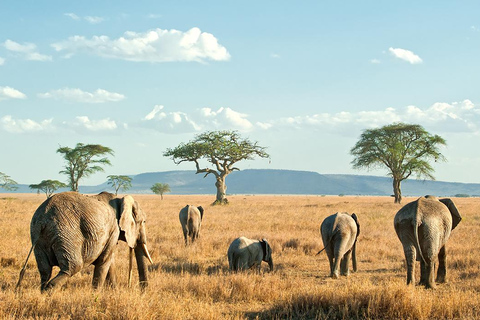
(302, 78)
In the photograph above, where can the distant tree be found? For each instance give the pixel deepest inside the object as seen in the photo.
(48, 186)
(222, 149)
(7, 183)
(82, 161)
(405, 149)
(119, 182)
(160, 188)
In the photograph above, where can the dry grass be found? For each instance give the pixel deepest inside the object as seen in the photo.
(194, 282)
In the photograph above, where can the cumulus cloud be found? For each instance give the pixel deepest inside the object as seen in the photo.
(461, 116)
(84, 122)
(11, 93)
(200, 119)
(157, 45)
(78, 95)
(27, 50)
(9, 124)
(405, 55)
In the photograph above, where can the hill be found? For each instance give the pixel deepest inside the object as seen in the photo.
(267, 181)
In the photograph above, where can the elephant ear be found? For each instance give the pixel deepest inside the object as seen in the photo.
(355, 218)
(265, 248)
(127, 220)
(201, 212)
(456, 217)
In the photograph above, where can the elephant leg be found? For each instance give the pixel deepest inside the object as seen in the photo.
(57, 281)
(410, 257)
(430, 273)
(344, 264)
(442, 266)
(185, 234)
(44, 268)
(330, 259)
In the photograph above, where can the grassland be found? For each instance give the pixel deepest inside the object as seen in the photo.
(194, 282)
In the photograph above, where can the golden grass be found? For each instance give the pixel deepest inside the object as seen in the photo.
(194, 282)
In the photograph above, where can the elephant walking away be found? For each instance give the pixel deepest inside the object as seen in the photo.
(72, 231)
(245, 253)
(424, 226)
(191, 221)
(339, 234)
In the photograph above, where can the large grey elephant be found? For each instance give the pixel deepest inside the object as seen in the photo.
(423, 226)
(245, 253)
(72, 231)
(339, 235)
(191, 221)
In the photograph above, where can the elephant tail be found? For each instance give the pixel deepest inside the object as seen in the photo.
(22, 272)
(416, 224)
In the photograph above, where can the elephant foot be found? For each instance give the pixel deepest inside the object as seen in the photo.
(441, 280)
(334, 275)
(346, 274)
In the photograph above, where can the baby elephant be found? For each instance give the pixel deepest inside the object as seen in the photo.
(245, 253)
(339, 234)
(191, 220)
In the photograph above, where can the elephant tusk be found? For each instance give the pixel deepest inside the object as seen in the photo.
(145, 251)
(130, 267)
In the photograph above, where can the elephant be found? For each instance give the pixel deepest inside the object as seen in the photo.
(72, 231)
(191, 221)
(423, 227)
(339, 235)
(245, 253)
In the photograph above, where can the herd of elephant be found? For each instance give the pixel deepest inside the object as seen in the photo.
(72, 231)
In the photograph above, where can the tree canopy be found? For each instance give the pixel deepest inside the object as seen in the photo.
(119, 182)
(48, 186)
(160, 188)
(405, 149)
(7, 183)
(82, 161)
(222, 150)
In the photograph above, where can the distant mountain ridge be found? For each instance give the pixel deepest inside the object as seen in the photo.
(271, 181)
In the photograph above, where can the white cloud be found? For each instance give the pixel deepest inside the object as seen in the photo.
(375, 61)
(2, 61)
(27, 50)
(73, 16)
(8, 123)
(201, 119)
(95, 125)
(11, 93)
(405, 55)
(152, 46)
(89, 19)
(78, 95)
(275, 56)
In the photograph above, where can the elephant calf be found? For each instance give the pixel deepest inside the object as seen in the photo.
(245, 253)
(191, 221)
(339, 234)
(423, 226)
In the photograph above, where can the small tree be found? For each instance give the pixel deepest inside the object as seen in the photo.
(160, 188)
(48, 186)
(222, 149)
(405, 149)
(119, 182)
(82, 161)
(7, 183)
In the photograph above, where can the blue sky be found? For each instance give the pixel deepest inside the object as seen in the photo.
(302, 78)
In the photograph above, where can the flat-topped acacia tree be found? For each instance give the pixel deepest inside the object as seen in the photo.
(221, 149)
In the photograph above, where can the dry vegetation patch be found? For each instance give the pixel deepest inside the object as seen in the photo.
(194, 282)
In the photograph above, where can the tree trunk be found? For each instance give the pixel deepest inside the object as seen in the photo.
(221, 191)
(397, 192)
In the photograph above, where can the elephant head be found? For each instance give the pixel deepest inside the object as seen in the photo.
(267, 253)
(132, 231)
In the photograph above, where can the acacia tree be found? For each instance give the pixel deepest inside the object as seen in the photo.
(160, 188)
(119, 182)
(222, 149)
(405, 149)
(48, 186)
(82, 161)
(7, 183)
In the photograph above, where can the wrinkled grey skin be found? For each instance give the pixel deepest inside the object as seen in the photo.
(191, 221)
(72, 231)
(245, 253)
(423, 226)
(339, 234)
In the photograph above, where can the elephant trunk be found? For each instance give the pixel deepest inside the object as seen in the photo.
(140, 256)
(270, 264)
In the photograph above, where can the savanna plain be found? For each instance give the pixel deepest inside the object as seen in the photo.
(194, 282)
